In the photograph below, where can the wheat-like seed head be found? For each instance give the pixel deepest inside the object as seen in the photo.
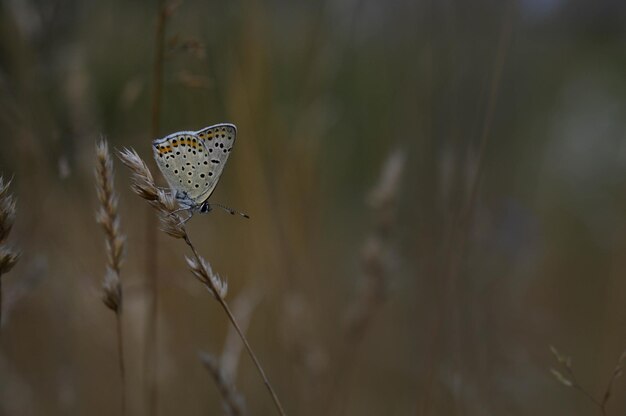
(202, 270)
(107, 216)
(112, 290)
(143, 183)
(7, 210)
(8, 256)
(8, 259)
(144, 186)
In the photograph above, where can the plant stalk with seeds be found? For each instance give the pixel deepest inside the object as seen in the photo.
(8, 256)
(172, 224)
(567, 377)
(375, 259)
(107, 216)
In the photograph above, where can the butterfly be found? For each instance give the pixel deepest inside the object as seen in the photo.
(192, 163)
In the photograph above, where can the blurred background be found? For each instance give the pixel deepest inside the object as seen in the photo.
(437, 193)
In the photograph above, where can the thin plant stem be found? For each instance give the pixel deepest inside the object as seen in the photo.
(382, 201)
(461, 223)
(120, 354)
(232, 402)
(232, 319)
(151, 349)
(157, 85)
(569, 379)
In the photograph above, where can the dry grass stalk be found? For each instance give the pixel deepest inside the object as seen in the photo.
(107, 216)
(567, 377)
(144, 186)
(457, 240)
(375, 254)
(8, 256)
(150, 357)
(232, 401)
(243, 308)
(224, 370)
(375, 260)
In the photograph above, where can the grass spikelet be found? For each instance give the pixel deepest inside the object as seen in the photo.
(7, 210)
(144, 186)
(203, 271)
(8, 256)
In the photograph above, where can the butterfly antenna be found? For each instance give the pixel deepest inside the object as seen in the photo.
(178, 210)
(230, 210)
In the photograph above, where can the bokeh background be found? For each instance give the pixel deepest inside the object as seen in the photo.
(494, 131)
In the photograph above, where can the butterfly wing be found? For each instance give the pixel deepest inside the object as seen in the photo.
(218, 141)
(185, 163)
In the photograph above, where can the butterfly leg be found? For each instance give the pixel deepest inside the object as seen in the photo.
(183, 222)
(179, 210)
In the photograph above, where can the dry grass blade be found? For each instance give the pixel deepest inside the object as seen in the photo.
(376, 249)
(617, 373)
(243, 308)
(375, 256)
(385, 193)
(231, 399)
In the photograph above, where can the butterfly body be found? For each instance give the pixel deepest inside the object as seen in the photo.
(192, 163)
